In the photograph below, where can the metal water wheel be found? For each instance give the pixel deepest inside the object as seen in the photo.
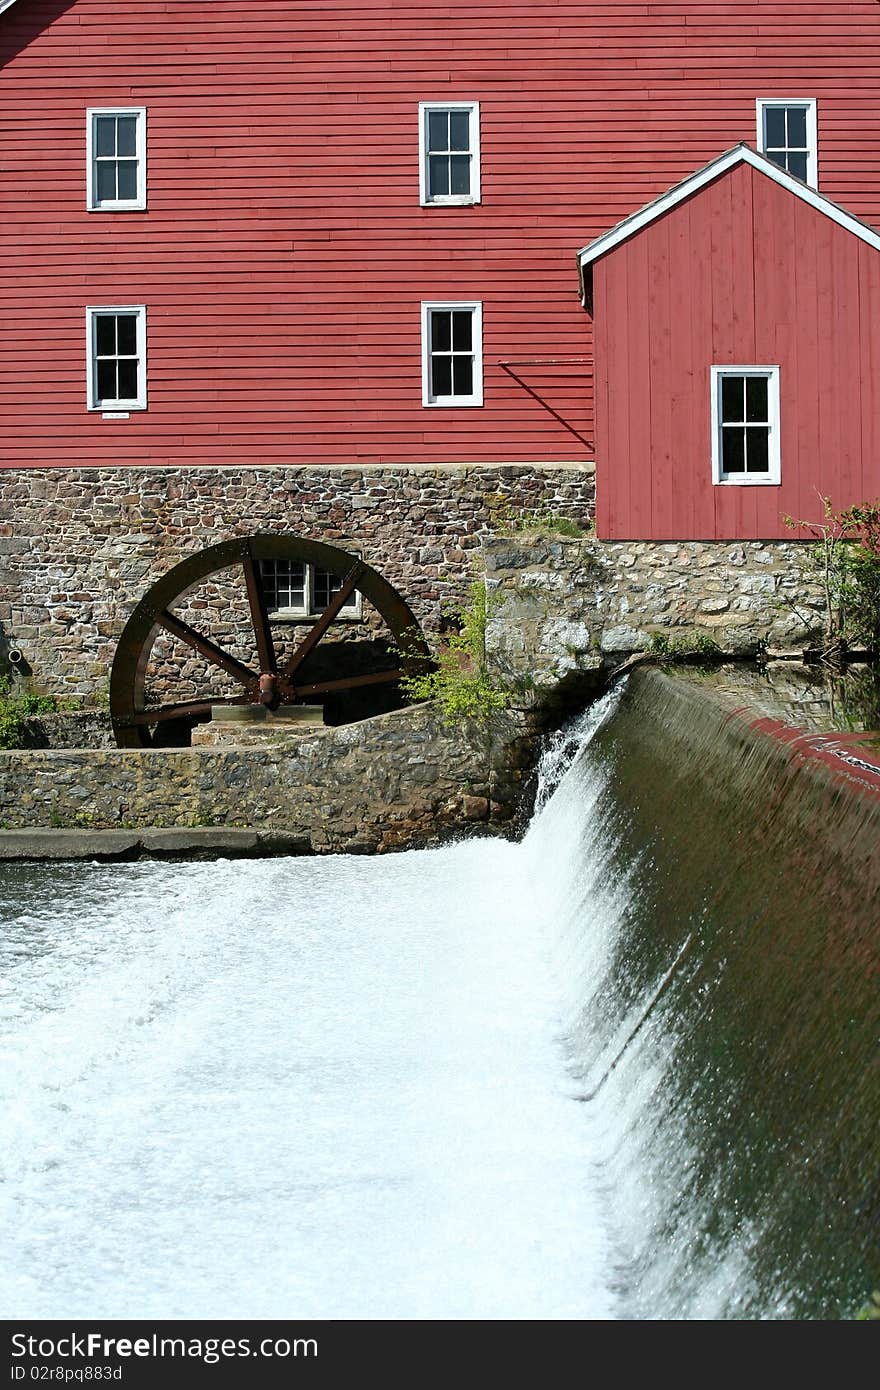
(270, 681)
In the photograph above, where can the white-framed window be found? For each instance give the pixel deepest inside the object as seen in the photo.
(116, 354)
(449, 152)
(116, 159)
(745, 425)
(293, 589)
(788, 134)
(452, 354)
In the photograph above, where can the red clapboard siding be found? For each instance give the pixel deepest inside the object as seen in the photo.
(741, 272)
(284, 254)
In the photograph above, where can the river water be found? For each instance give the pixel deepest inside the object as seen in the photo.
(490, 1080)
(292, 1087)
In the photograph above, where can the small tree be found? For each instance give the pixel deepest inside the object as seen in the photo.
(845, 561)
(459, 678)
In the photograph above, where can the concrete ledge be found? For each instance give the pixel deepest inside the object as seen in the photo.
(108, 846)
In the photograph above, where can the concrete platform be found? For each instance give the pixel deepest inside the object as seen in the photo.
(178, 842)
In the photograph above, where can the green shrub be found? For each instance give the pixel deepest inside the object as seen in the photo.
(689, 644)
(459, 679)
(16, 709)
(844, 561)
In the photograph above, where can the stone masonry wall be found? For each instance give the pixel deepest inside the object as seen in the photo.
(79, 547)
(396, 781)
(567, 606)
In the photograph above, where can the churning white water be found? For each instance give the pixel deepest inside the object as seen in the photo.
(301, 1088)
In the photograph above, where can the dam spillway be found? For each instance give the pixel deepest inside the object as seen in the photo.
(624, 1068)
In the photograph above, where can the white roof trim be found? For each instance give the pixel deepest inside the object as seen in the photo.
(740, 154)
(4, 5)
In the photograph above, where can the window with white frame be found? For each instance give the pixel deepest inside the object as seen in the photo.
(452, 354)
(449, 152)
(745, 425)
(787, 135)
(294, 589)
(116, 346)
(116, 159)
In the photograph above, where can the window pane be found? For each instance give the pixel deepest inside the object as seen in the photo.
(125, 135)
(291, 584)
(127, 369)
(460, 178)
(732, 398)
(756, 398)
(463, 376)
(797, 127)
(127, 179)
(325, 586)
(797, 165)
(441, 376)
(322, 588)
(759, 459)
(107, 381)
(438, 130)
(105, 191)
(105, 135)
(774, 126)
(733, 445)
(284, 583)
(778, 157)
(459, 130)
(105, 335)
(268, 584)
(126, 335)
(441, 330)
(462, 321)
(438, 175)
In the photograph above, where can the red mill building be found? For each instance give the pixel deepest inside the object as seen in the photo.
(313, 271)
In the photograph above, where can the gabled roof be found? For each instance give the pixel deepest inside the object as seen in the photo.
(740, 154)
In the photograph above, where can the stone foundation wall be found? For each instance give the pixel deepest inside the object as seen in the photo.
(79, 547)
(397, 781)
(564, 607)
(89, 728)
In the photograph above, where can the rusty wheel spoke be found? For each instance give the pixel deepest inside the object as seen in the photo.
(259, 616)
(206, 648)
(300, 692)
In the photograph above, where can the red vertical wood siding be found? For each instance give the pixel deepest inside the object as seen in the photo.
(284, 254)
(741, 273)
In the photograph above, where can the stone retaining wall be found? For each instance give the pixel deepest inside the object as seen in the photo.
(396, 781)
(80, 546)
(90, 728)
(564, 607)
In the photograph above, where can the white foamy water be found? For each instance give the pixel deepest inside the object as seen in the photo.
(297, 1088)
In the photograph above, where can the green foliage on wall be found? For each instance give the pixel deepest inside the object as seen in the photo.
(542, 520)
(678, 648)
(459, 678)
(844, 561)
(15, 710)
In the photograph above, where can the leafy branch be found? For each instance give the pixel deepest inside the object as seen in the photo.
(15, 710)
(459, 678)
(845, 563)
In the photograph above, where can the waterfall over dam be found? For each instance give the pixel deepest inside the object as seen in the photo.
(625, 1068)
